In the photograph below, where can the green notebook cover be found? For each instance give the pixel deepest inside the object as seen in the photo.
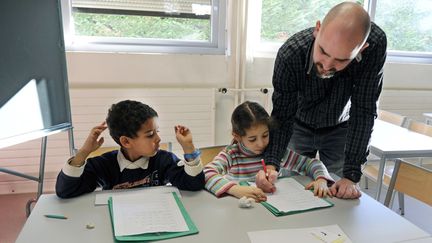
(156, 236)
(278, 213)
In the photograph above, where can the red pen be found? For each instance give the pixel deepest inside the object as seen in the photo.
(264, 167)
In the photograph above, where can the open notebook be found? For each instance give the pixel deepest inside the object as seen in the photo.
(141, 218)
(291, 197)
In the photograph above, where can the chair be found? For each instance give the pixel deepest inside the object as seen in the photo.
(421, 128)
(412, 180)
(392, 118)
(164, 146)
(370, 171)
(208, 153)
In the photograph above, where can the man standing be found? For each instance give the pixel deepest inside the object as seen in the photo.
(327, 81)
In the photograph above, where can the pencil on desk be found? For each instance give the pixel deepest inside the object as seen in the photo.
(53, 216)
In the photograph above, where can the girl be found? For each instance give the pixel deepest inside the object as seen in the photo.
(241, 160)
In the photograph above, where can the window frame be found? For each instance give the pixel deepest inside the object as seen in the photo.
(217, 44)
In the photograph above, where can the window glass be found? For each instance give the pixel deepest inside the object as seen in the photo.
(172, 20)
(280, 19)
(407, 23)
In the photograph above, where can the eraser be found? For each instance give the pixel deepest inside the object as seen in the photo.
(90, 226)
(245, 202)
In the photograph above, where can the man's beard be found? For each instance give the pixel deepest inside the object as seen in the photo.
(330, 73)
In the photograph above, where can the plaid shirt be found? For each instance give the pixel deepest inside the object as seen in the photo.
(350, 95)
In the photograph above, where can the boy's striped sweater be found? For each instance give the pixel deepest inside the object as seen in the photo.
(236, 163)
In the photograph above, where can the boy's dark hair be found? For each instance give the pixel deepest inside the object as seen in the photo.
(126, 117)
(247, 115)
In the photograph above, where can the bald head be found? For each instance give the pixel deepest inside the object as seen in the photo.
(349, 19)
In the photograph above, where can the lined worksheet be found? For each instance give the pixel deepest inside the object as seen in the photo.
(292, 196)
(138, 214)
(101, 197)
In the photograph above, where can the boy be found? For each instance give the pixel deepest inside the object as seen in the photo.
(139, 162)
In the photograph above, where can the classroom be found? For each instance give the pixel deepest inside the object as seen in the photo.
(348, 83)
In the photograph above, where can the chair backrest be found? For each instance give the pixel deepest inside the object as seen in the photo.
(164, 146)
(392, 118)
(420, 127)
(208, 153)
(412, 180)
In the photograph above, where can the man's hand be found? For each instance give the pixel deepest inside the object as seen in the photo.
(346, 189)
(248, 191)
(320, 188)
(266, 182)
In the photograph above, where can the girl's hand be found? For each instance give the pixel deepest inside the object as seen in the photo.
(266, 181)
(320, 188)
(248, 191)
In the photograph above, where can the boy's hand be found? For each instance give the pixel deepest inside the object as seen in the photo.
(320, 188)
(266, 182)
(93, 141)
(184, 137)
(248, 191)
(91, 144)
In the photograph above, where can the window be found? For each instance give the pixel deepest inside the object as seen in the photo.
(145, 25)
(407, 23)
(281, 19)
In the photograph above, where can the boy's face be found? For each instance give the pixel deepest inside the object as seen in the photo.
(146, 143)
(256, 138)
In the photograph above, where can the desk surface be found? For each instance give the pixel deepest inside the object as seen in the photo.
(219, 220)
(395, 141)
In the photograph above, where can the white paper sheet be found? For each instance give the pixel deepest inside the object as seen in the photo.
(326, 234)
(102, 196)
(138, 214)
(291, 196)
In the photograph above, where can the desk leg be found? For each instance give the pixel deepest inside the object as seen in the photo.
(380, 177)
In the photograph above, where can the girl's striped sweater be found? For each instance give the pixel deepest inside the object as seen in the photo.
(236, 163)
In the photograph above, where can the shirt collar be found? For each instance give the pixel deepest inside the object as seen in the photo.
(245, 150)
(125, 163)
(309, 63)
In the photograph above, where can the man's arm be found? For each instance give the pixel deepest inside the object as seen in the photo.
(284, 109)
(363, 111)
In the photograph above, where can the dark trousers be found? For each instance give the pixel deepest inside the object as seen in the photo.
(329, 142)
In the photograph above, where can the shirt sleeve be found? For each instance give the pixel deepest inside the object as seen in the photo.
(364, 100)
(74, 181)
(194, 167)
(284, 108)
(304, 165)
(214, 174)
(73, 171)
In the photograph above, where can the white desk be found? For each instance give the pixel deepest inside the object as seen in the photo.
(389, 141)
(428, 118)
(219, 220)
